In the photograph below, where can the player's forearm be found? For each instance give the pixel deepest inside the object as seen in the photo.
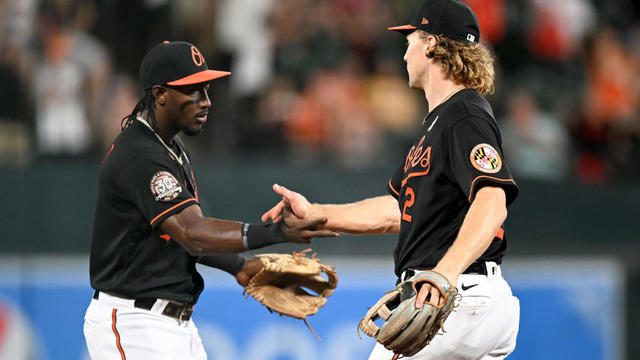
(202, 236)
(213, 236)
(377, 215)
(485, 216)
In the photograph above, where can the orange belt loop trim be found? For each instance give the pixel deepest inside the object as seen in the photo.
(115, 331)
(169, 209)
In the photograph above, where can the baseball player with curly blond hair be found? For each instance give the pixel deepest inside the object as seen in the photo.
(448, 198)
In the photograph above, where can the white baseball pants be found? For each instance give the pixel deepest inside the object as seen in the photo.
(484, 326)
(115, 330)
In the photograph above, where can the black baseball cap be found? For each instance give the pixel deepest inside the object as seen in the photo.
(175, 63)
(450, 18)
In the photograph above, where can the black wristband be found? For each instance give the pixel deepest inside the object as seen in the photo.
(258, 236)
(230, 263)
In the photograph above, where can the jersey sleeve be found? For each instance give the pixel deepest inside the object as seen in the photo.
(394, 184)
(477, 158)
(154, 187)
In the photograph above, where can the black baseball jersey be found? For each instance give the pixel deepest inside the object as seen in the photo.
(141, 183)
(458, 151)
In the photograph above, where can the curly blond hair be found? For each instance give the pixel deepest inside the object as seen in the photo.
(469, 64)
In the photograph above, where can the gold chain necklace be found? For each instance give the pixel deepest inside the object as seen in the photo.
(178, 158)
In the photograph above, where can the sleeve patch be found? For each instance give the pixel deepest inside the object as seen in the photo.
(164, 186)
(485, 158)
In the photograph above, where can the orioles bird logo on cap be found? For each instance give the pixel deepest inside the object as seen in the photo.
(196, 56)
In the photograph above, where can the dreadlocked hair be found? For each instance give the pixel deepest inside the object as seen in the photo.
(146, 104)
(470, 64)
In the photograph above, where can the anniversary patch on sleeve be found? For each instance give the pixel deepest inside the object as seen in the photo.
(164, 186)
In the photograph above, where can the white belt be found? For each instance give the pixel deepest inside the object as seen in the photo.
(489, 269)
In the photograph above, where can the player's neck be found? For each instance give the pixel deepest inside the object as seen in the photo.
(439, 88)
(166, 132)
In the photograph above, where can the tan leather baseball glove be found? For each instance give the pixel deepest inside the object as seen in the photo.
(282, 284)
(406, 330)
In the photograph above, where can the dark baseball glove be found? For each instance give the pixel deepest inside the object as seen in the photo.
(280, 285)
(407, 330)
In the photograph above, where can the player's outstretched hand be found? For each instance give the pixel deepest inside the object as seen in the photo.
(251, 267)
(303, 230)
(298, 204)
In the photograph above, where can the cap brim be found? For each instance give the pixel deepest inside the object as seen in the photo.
(199, 77)
(403, 29)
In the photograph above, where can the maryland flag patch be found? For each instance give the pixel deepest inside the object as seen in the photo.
(485, 158)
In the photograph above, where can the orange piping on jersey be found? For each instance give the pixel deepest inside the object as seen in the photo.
(115, 331)
(195, 186)
(488, 177)
(414, 175)
(392, 189)
(165, 237)
(171, 208)
(108, 153)
(500, 234)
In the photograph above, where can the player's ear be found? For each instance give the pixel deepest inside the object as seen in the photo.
(430, 45)
(160, 94)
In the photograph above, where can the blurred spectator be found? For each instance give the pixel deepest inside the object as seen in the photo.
(61, 119)
(243, 29)
(14, 133)
(333, 116)
(558, 27)
(396, 107)
(16, 31)
(123, 97)
(613, 90)
(536, 144)
(607, 130)
(274, 106)
(68, 82)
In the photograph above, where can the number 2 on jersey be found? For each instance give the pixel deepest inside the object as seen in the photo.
(411, 199)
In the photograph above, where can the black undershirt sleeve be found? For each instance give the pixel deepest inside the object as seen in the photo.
(230, 263)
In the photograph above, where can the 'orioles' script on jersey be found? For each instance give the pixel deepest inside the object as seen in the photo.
(418, 160)
(450, 160)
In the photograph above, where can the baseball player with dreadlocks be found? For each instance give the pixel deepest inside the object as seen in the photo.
(448, 199)
(149, 231)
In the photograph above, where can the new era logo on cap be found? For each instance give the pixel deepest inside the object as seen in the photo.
(450, 18)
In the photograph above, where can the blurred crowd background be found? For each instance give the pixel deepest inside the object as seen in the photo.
(318, 100)
(322, 80)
